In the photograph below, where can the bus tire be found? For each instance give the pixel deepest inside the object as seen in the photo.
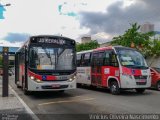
(26, 92)
(93, 87)
(140, 90)
(114, 88)
(18, 86)
(78, 85)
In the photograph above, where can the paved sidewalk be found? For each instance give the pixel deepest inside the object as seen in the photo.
(11, 107)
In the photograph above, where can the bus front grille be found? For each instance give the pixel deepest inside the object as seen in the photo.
(140, 77)
(51, 87)
(141, 83)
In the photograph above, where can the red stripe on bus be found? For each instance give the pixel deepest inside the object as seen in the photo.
(131, 71)
(103, 48)
(48, 77)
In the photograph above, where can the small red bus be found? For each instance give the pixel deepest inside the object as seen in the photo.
(113, 67)
(46, 63)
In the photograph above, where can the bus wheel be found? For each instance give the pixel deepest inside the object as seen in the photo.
(140, 90)
(78, 85)
(114, 88)
(158, 86)
(18, 86)
(25, 91)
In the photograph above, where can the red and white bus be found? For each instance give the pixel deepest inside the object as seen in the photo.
(46, 63)
(113, 67)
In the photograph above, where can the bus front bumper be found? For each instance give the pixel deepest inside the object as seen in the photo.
(50, 85)
(130, 82)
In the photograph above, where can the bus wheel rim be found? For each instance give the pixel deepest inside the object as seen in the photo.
(114, 88)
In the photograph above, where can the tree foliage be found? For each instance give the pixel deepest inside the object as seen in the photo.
(141, 41)
(87, 46)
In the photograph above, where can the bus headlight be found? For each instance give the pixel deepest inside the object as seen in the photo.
(36, 80)
(32, 78)
(128, 76)
(72, 78)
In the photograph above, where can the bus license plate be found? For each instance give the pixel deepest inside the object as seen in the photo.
(142, 80)
(55, 85)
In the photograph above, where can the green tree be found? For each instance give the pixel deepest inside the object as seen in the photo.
(87, 46)
(154, 48)
(133, 38)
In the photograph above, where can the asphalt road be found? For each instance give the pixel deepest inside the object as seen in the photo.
(83, 101)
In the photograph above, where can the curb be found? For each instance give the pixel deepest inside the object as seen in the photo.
(29, 111)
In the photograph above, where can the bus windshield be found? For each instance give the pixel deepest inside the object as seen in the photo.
(131, 58)
(49, 58)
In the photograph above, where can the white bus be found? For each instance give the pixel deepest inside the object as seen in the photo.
(113, 67)
(46, 63)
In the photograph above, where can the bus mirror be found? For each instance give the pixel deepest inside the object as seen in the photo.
(26, 55)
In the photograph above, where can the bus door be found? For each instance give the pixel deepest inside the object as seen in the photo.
(110, 67)
(16, 68)
(84, 68)
(96, 71)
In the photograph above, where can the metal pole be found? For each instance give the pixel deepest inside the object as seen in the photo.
(5, 72)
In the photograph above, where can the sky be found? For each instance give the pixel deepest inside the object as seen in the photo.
(100, 19)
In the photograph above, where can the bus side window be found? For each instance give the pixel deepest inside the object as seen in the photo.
(94, 59)
(78, 60)
(113, 59)
(110, 59)
(87, 59)
(82, 60)
(107, 58)
(100, 58)
(97, 59)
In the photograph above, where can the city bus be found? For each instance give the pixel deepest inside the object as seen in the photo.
(46, 63)
(114, 67)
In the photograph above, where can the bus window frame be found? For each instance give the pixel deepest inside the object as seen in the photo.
(50, 45)
(96, 63)
(78, 61)
(86, 62)
(111, 62)
(114, 63)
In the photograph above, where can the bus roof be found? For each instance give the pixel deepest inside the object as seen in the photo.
(55, 36)
(87, 51)
(103, 48)
(29, 39)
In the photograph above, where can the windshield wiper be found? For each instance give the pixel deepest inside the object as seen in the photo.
(134, 66)
(48, 55)
(142, 67)
(129, 65)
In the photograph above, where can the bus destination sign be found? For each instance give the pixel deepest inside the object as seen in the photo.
(51, 40)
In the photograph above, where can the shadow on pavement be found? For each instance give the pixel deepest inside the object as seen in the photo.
(51, 94)
(123, 92)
